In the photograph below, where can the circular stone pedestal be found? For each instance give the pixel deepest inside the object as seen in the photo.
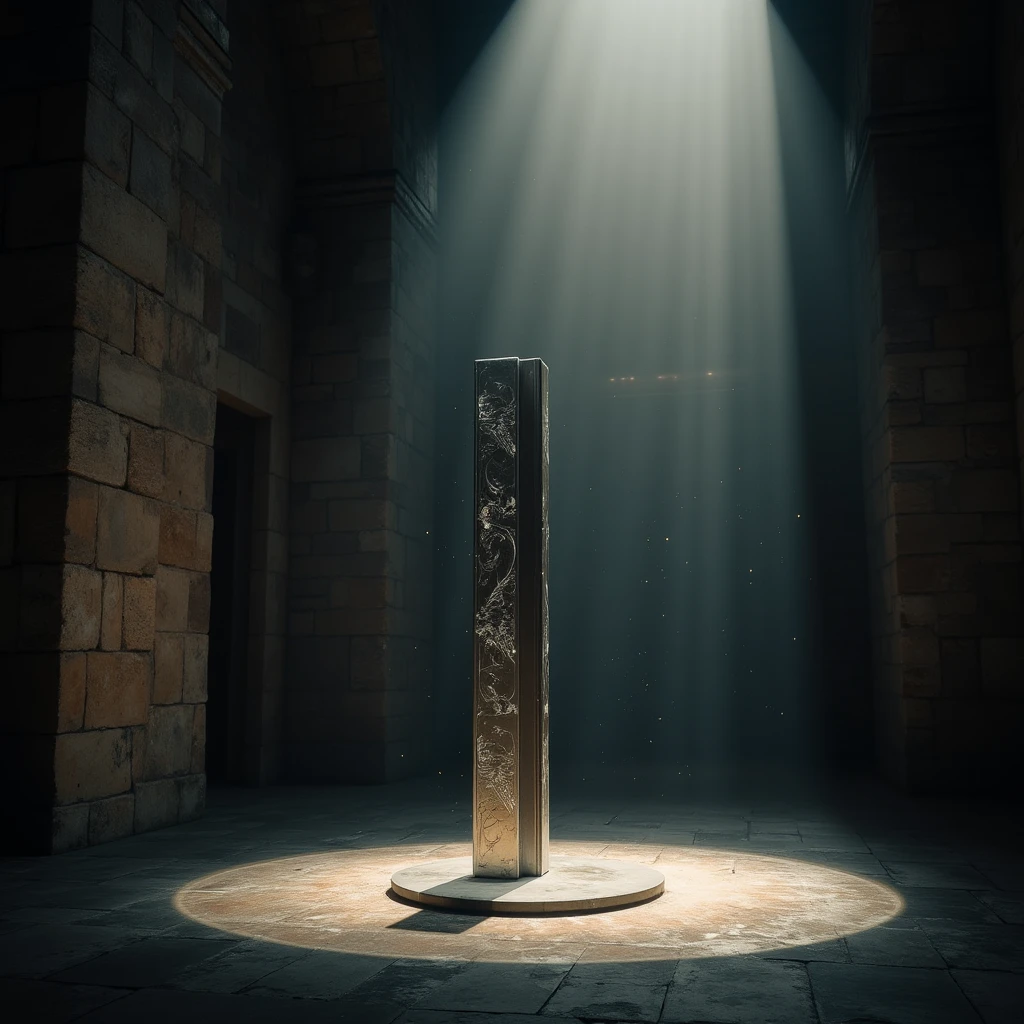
(572, 884)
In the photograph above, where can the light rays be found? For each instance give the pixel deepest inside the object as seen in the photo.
(614, 204)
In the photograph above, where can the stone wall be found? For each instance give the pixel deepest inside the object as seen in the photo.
(362, 396)
(254, 362)
(937, 396)
(1012, 161)
(111, 266)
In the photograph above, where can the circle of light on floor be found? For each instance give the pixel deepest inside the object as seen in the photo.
(716, 903)
(573, 884)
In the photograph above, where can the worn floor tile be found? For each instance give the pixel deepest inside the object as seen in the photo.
(997, 996)
(740, 990)
(45, 948)
(935, 876)
(148, 962)
(997, 947)
(909, 995)
(896, 947)
(598, 986)
(237, 968)
(516, 988)
(319, 975)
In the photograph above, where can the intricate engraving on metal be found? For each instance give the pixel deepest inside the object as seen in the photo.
(496, 669)
(510, 682)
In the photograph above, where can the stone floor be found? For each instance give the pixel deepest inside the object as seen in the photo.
(274, 907)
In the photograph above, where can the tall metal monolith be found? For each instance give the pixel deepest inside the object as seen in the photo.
(510, 634)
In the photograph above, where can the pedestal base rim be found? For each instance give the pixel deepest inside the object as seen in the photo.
(572, 885)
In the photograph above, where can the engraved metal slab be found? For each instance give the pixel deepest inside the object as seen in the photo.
(510, 634)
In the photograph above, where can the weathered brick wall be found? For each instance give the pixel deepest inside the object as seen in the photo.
(112, 258)
(359, 628)
(254, 360)
(942, 488)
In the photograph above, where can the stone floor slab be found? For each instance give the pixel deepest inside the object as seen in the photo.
(739, 990)
(902, 995)
(602, 986)
(146, 963)
(997, 996)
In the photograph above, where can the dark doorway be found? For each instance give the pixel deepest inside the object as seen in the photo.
(229, 595)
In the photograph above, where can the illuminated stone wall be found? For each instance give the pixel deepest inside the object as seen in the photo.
(111, 264)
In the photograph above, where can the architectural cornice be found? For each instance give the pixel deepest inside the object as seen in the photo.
(202, 41)
(361, 189)
(914, 126)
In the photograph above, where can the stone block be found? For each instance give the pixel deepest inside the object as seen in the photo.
(129, 386)
(970, 328)
(128, 536)
(156, 804)
(107, 136)
(927, 444)
(71, 696)
(168, 668)
(146, 461)
(150, 179)
(922, 574)
(192, 799)
(80, 522)
(104, 301)
(172, 591)
(117, 689)
(113, 818)
(196, 647)
(91, 765)
(360, 592)
(335, 369)
(945, 384)
(113, 611)
(177, 536)
(193, 351)
(189, 409)
(199, 603)
(98, 444)
(198, 764)
(204, 542)
(241, 335)
(69, 828)
(152, 320)
(371, 663)
(186, 472)
(984, 490)
(193, 135)
(139, 613)
(213, 297)
(80, 604)
(198, 97)
(207, 239)
(122, 230)
(185, 279)
(168, 740)
(991, 442)
(326, 459)
(355, 514)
